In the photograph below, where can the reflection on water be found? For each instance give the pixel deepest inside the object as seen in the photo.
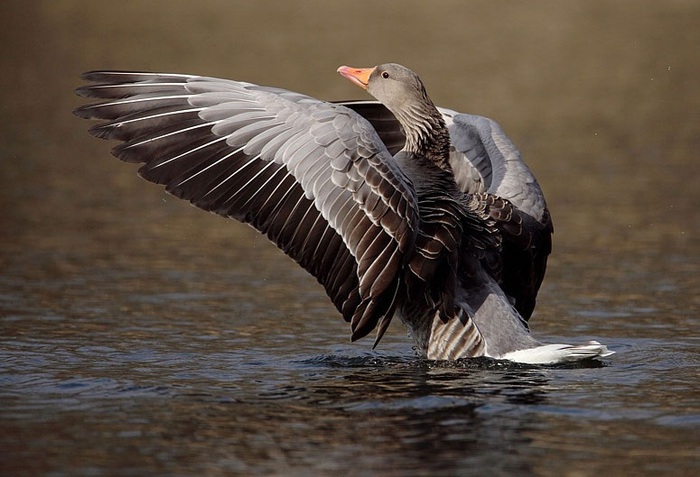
(366, 411)
(139, 336)
(207, 396)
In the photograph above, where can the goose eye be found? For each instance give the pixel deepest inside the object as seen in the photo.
(385, 74)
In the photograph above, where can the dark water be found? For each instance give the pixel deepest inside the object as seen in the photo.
(139, 336)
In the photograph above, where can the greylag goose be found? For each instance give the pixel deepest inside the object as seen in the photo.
(397, 207)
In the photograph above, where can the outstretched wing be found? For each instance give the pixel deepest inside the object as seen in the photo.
(486, 163)
(312, 176)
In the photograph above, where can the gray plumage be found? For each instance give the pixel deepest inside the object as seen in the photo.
(485, 163)
(424, 213)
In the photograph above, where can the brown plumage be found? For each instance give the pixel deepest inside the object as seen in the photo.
(396, 207)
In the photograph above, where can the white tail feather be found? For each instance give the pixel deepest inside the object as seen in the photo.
(558, 353)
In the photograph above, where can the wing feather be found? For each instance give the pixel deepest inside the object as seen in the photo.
(313, 176)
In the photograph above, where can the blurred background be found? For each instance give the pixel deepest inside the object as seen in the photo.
(601, 97)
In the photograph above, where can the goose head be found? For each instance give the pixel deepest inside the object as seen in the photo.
(403, 93)
(395, 86)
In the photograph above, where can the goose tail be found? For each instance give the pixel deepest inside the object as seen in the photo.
(558, 353)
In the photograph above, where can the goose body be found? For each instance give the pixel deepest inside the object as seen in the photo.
(395, 206)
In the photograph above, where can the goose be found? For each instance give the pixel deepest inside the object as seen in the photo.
(396, 206)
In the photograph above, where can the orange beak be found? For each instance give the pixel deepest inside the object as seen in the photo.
(359, 76)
